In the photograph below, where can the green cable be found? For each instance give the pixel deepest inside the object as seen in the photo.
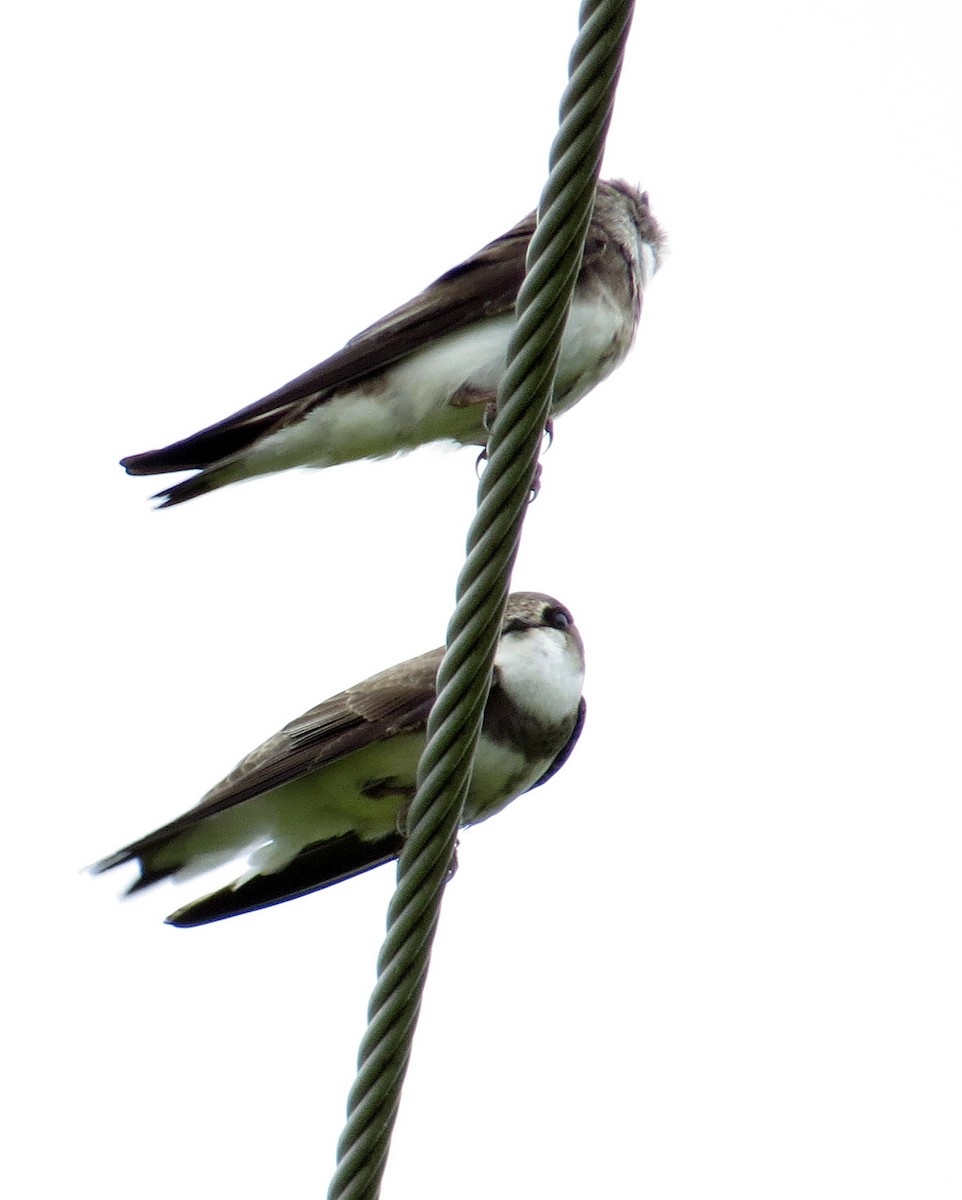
(554, 259)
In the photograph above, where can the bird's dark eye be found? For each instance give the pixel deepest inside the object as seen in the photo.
(557, 617)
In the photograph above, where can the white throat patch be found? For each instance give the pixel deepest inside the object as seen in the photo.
(541, 671)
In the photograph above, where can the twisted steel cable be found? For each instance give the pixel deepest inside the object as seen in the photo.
(553, 262)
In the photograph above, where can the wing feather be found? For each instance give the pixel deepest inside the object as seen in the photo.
(316, 867)
(485, 285)
(395, 701)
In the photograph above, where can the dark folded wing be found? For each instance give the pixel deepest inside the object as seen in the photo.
(485, 285)
(316, 867)
(395, 701)
(563, 754)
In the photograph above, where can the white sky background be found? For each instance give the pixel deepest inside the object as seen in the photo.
(720, 954)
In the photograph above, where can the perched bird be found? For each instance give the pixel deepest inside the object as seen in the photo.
(429, 371)
(326, 798)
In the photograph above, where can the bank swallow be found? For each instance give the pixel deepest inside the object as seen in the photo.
(326, 798)
(429, 371)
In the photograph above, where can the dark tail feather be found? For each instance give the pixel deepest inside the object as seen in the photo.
(206, 480)
(148, 874)
(157, 462)
(203, 449)
(189, 489)
(318, 866)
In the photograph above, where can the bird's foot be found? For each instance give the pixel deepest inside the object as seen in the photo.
(535, 484)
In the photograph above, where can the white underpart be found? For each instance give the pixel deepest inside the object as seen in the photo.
(586, 349)
(498, 776)
(410, 403)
